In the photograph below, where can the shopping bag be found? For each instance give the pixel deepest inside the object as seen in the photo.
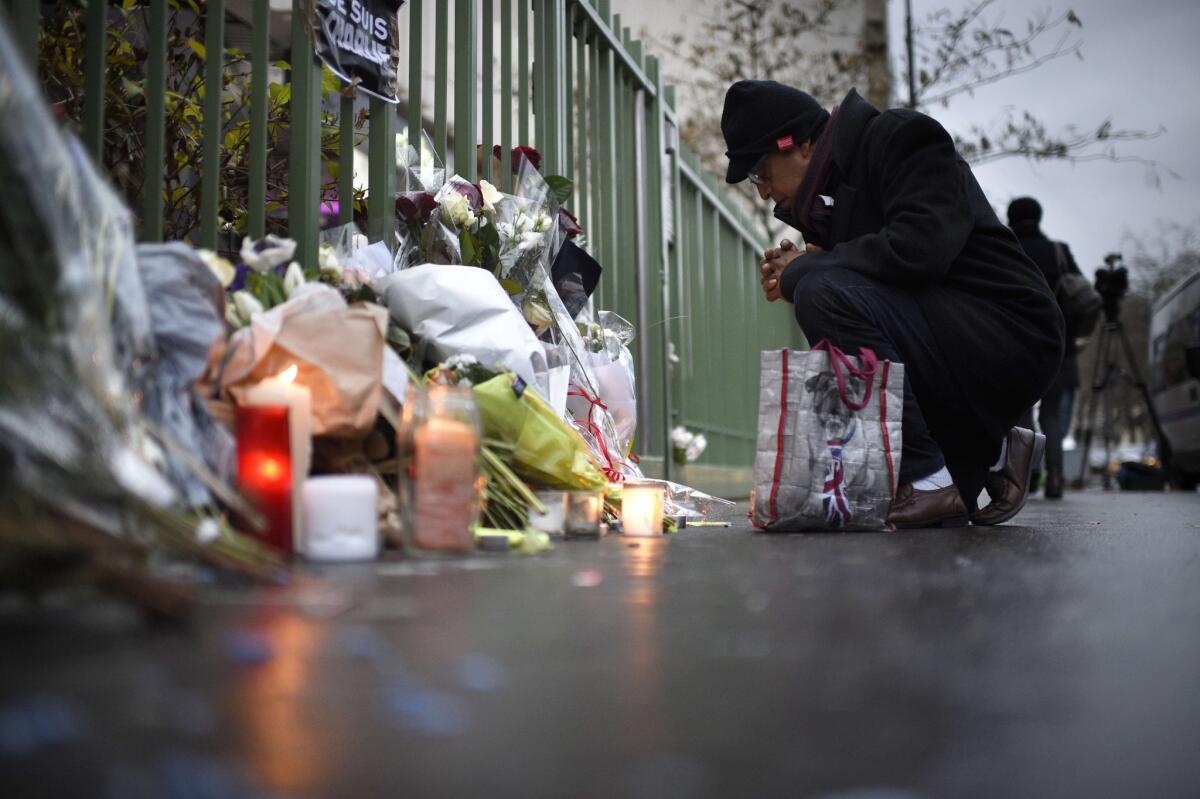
(829, 440)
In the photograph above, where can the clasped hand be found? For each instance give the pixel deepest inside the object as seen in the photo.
(773, 264)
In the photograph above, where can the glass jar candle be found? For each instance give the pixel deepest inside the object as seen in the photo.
(641, 508)
(440, 432)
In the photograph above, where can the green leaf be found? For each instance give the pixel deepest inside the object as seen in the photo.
(399, 338)
(131, 88)
(511, 286)
(560, 188)
(197, 48)
(467, 244)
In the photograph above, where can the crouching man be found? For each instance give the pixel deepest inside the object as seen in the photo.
(903, 254)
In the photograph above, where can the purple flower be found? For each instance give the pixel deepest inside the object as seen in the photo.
(468, 190)
(240, 270)
(415, 205)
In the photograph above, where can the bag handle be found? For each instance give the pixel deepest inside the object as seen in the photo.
(840, 360)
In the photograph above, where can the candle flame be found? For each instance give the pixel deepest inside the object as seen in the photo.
(288, 375)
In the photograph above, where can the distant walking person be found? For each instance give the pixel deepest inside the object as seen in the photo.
(904, 255)
(1054, 259)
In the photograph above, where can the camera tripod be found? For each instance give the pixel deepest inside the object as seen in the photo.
(1111, 283)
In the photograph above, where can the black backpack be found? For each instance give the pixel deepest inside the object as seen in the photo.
(1080, 302)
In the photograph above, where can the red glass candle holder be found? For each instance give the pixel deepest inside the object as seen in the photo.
(265, 468)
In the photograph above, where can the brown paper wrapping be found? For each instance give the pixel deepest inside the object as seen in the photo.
(338, 352)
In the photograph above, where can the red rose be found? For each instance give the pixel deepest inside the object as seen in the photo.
(518, 154)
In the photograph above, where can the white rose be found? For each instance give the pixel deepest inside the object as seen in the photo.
(266, 254)
(458, 208)
(681, 437)
(529, 241)
(491, 195)
(542, 223)
(220, 267)
(327, 258)
(246, 306)
(293, 278)
(697, 447)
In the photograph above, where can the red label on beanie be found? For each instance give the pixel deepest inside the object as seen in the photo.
(785, 143)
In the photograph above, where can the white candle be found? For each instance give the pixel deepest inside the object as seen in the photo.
(642, 508)
(282, 390)
(550, 522)
(341, 518)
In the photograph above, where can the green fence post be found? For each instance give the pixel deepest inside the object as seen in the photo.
(538, 81)
(381, 190)
(415, 118)
(583, 98)
(214, 89)
(260, 56)
(441, 80)
(24, 16)
(607, 162)
(506, 100)
(464, 88)
(487, 119)
(660, 271)
(156, 96)
(304, 175)
(346, 159)
(523, 68)
(95, 78)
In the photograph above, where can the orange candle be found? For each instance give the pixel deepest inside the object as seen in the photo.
(445, 498)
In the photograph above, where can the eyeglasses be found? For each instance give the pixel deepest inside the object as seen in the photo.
(754, 174)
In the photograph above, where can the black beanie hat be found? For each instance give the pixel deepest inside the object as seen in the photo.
(1022, 209)
(763, 116)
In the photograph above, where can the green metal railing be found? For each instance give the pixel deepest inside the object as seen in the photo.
(680, 259)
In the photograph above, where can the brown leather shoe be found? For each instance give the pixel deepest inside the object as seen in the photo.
(1009, 487)
(912, 509)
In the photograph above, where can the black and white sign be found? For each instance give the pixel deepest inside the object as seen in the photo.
(360, 42)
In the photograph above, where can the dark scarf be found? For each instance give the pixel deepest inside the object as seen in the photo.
(813, 216)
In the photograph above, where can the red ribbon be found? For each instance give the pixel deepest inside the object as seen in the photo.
(610, 471)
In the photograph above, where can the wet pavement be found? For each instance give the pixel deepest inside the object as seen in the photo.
(1055, 656)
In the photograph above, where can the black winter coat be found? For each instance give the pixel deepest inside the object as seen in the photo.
(1041, 249)
(908, 212)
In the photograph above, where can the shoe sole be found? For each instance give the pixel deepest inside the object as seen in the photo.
(1039, 449)
(962, 520)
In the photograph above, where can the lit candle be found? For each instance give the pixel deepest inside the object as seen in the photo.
(642, 508)
(265, 468)
(445, 494)
(341, 518)
(282, 390)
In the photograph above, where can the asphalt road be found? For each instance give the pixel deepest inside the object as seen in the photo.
(1054, 656)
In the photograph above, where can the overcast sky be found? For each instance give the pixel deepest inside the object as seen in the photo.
(1140, 68)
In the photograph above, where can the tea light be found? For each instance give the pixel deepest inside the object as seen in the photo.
(642, 508)
(341, 518)
(550, 522)
(445, 454)
(265, 468)
(583, 513)
(282, 390)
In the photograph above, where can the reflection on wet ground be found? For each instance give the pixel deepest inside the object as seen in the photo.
(718, 662)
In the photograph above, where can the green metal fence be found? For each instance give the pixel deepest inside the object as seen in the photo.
(561, 75)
